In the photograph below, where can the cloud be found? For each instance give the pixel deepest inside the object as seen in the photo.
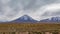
(57, 13)
(35, 8)
(4, 1)
(48, 11)
(7, 13)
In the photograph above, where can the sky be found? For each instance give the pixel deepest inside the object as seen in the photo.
(37, 9)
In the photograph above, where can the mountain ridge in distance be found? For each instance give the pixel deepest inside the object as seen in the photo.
(25, 18)
(52, 19)
(28, 19)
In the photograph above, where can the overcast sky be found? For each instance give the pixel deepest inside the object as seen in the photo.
(13, 9)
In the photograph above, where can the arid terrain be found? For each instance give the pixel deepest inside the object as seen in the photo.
(31, 26)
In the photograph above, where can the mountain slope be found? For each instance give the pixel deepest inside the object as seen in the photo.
(53, 19)
(25, 18)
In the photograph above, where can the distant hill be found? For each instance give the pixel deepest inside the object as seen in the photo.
(52, 19)
(28, 19)
(25, 18)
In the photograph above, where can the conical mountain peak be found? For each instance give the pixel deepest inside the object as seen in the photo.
(25, 18)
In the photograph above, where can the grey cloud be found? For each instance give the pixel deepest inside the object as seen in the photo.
(57, 13)
(26, 5)
(30, 4)
(35, 4)
(48, 13)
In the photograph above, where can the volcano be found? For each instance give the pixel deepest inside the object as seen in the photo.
(25, 18)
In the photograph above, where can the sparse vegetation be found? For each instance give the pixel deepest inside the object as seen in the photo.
(31, 26)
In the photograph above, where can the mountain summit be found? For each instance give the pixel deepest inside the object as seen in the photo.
(25, 18)
(53, 19)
